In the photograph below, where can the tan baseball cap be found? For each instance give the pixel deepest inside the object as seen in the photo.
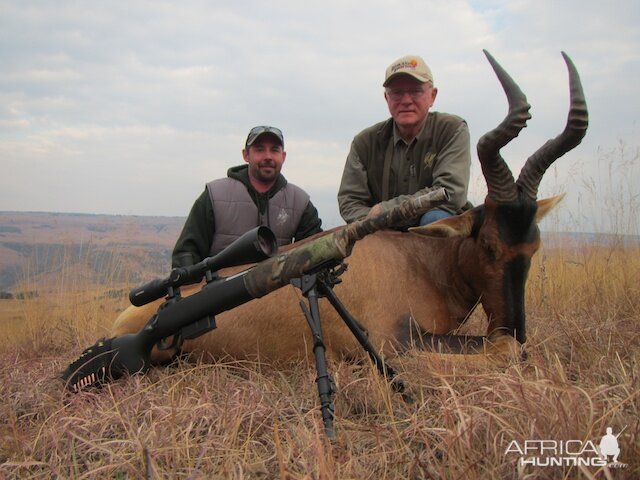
(409, 65)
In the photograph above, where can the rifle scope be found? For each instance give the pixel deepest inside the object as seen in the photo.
(253, 246)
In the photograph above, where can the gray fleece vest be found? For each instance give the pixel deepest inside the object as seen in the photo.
(235, 213)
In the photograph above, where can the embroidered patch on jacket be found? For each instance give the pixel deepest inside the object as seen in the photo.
(428, 159)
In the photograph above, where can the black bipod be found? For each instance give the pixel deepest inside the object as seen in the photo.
(320, 285)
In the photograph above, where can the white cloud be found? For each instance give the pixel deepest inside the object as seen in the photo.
(130, 100)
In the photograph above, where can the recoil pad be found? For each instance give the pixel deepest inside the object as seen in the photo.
(104, 362)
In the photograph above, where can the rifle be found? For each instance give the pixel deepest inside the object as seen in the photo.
(194, 315)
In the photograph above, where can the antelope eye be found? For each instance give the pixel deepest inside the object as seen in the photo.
(490, 249)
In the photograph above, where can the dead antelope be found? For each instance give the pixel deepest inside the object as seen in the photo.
(418, 285)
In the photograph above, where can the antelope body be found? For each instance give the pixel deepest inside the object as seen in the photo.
(412, 287)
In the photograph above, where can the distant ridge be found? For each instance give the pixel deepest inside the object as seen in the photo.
(104, 249)
(107, 249)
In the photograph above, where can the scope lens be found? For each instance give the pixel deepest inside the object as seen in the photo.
(266, 242)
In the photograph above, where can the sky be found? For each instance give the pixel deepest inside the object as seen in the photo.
(130, 107)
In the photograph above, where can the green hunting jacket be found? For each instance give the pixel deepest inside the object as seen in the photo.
(438, 157)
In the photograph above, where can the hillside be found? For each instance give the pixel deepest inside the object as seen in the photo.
(98, 249)
(111, 250)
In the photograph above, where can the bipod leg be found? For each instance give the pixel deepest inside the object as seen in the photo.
(307, 284)
(385, 369)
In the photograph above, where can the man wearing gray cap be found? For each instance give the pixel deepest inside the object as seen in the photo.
(251, 195)
(413, 152)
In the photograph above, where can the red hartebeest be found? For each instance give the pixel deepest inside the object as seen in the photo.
(410, 286)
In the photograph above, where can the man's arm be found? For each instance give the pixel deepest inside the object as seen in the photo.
(354, 197)
(194, 243)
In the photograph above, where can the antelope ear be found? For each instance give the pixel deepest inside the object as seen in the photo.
(458, 226)
(546, 205)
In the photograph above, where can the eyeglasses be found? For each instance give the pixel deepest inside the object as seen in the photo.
(397, 94)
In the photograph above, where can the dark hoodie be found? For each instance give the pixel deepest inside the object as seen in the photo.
(195, 241)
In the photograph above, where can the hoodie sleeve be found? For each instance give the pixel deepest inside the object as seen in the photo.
(310, 223)
(194, 242)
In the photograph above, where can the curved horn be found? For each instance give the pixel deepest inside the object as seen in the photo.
(577, 122)
(500, 184)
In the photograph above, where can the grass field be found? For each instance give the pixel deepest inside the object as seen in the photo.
(245, 420)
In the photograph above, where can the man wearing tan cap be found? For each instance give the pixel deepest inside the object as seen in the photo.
(250, 195)
(413, 152)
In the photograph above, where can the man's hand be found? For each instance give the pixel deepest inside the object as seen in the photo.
(375, 210)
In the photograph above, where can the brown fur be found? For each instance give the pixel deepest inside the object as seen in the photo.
(397, 285)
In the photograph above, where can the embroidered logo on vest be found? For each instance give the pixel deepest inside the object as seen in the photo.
(282, 217)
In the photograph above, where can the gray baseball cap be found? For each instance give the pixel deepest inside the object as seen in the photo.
(256, 132)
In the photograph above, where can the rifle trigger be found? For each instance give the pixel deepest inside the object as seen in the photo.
(176, 342)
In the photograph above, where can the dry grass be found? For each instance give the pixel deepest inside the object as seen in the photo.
(240, 420)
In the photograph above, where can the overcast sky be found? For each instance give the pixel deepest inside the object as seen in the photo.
(129, 107)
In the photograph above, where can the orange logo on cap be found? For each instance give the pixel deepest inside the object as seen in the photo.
(413, 63)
